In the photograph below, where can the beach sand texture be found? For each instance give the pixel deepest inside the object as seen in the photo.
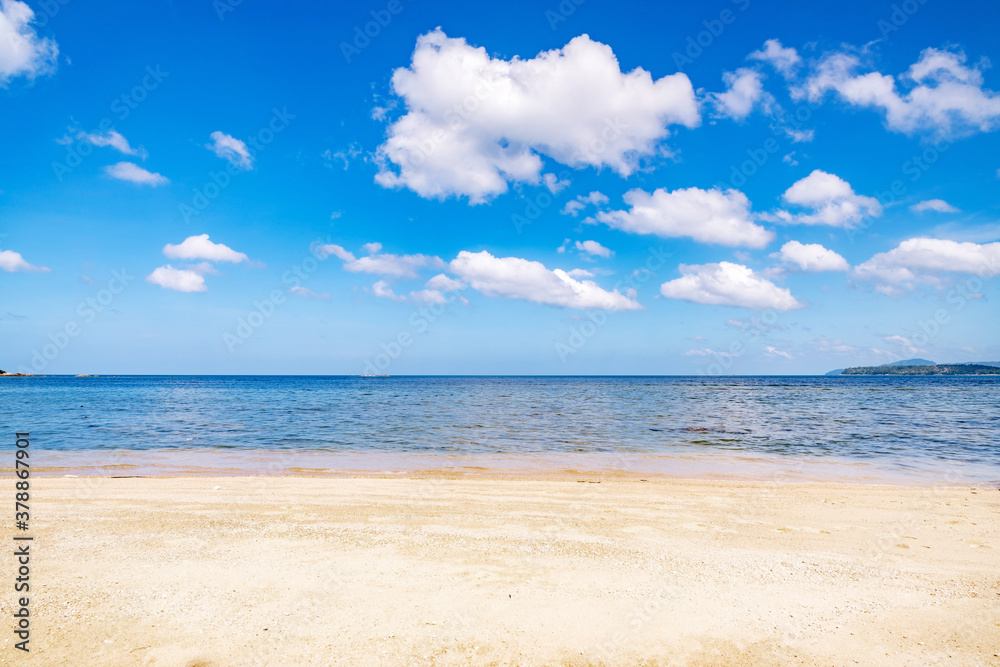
(452, 570)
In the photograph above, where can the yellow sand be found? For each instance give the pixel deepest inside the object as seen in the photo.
(453, 571)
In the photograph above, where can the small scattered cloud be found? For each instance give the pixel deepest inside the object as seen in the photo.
(397, 266)
(728, 284)
(180, 280)
(811, 257)
(799, 136)
(382, 290)
(774, 353)
(711, 216)
(22, 51)
(444, 283)
(946, 96)
(344, 156)
(832, 200)
(594, 249)
(203, 269)
(128, 171)
(923, 260)
(12, 262)
(937, 205)
(112, 139)
(784, 59)
(709, 352)
(574, 206)
(744, 92)
(516, 278)
(308, 293)
(552, 182)
(905, 344)
(192, 278)
(200, 247)
(231, 149)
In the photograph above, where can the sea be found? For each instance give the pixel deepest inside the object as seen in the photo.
(866, 429)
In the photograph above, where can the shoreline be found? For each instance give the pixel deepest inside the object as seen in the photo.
(453, 571)
(726, 465)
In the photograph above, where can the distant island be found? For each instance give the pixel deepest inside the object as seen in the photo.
(923, 367)
(14, 375)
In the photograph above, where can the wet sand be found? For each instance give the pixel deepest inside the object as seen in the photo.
(571, 569)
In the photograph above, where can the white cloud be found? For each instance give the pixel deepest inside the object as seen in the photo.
(127, 171)
(832, 200)
(553, 183)
(775, 353)
(785, 60)
(372, 248)
(382, 289)
(434, 294)
(428, 297)
(344, 156)
(516, 278)
(811, 257)
(443, 283)
(204, 269)
(939, 205)
(11, 261)
(473, 123)
(180, 280)
(398, 266)
(709, 352)
(574, 206)
(946, 97)
(593, 248)
(200, 247)
(919, 260)
(906, 344)
(22, 51)
(230, 148)
(709, 216)
(744, 91)
(800, 136)
(308, 293)
(728, 284)
(580, 273)
(337, 251)
(113, 139)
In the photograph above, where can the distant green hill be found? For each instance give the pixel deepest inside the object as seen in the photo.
(912, 362)
(937, 369)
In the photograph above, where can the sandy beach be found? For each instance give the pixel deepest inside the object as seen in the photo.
(571, 569)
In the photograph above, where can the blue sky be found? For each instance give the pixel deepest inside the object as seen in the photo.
(728, 187)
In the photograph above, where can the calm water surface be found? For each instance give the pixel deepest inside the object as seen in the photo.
(919, 423)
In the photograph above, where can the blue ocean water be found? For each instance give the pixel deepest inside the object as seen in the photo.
(904, 422)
